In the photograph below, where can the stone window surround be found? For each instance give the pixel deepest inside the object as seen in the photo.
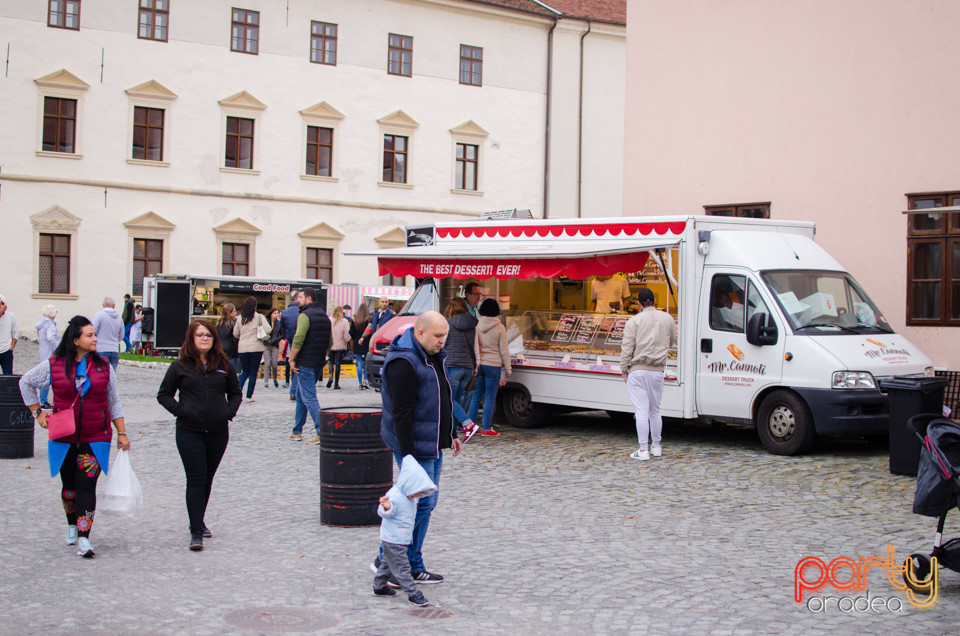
(55, 220)
(65, 85)
(400, 124)
(470, 133)
(321, 236)
(322, 115)
(147, 226)
(245, 106)
(150, 94)
(238, 231)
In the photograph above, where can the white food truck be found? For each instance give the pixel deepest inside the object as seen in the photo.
(772, 331)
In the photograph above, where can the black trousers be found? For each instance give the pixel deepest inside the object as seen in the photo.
(201, 454)
(78, 474)
(336, 358)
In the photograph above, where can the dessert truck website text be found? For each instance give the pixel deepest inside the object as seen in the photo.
(845, 573)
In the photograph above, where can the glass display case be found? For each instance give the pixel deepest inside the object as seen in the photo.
(573, 340)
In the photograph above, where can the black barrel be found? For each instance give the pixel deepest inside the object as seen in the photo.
(16, 421)
(356, 469)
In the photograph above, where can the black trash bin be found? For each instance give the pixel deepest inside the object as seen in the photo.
(909, 397)
(16, 421)
(356, 467)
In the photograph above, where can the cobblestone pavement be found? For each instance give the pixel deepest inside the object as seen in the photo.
(549, 530)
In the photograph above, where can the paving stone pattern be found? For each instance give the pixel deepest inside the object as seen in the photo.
(550, 530)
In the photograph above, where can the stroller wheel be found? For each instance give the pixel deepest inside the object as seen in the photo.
(918, 573)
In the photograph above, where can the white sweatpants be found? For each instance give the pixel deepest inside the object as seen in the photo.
(646, 389)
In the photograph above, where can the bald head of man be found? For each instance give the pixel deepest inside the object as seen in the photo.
(430, 330)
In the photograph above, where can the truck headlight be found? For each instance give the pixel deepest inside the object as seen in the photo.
(853, 380)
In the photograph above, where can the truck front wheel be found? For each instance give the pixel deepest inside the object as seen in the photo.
(520, 411)
(784, 424)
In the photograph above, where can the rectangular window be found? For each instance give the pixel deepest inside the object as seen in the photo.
(236, 259)
(54, 264)
(239, 151)
(466, 178)
(147, 261)
(245, 31)
(743, 210)
(394, 159)
(319, 151)
(64, 14)
(933, 260)
(471, 65)
(320, 264)
(323, 43)
(400, 56)
(59, 124)
(154, 16)
(148, 133)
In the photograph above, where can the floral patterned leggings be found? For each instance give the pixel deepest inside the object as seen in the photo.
(79, 473)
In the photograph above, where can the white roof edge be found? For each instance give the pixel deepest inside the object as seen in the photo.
(515, 249)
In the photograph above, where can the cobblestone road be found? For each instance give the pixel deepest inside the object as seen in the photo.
(550, 530)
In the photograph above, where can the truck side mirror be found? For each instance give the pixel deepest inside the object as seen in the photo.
(761, 330)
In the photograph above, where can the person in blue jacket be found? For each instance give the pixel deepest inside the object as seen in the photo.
(398, 508)
(418, 417)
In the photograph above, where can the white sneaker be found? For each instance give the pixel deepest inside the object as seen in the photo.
(72, 535)
(642, 455)
(84, 548)
(656, 451)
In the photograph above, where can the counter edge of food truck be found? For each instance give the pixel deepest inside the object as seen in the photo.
(805, 358)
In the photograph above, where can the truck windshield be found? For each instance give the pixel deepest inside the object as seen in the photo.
(818, 302)
(423, 300)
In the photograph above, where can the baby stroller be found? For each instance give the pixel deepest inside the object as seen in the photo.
(938, 491)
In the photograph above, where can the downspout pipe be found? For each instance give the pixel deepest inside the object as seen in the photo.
(546, 146)
(580, 127)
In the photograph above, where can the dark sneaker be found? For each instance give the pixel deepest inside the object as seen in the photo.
(196, 541)
(426, 577)
(386, 591)
(418, 600)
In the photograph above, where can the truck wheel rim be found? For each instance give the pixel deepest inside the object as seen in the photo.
(520, 404)
(782, 423)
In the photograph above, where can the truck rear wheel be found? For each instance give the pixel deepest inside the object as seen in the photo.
(784, 424)
(520, 411)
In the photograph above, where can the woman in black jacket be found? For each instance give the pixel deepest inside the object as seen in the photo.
(209, 396)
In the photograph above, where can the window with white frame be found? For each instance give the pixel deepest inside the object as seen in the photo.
(319, 245)
(468, 140)
(320, 125)
(55, 246)
(396, 168)
(236, 247)
(61, 96)
(149, 247)
(240, 150)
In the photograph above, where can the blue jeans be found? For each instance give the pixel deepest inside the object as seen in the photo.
(361, 368)
(44, 395)
(307, 398)
(294, 383)
(249, 365)
(424, 507)
(126, 335)
(459, 376)
(112, 357)
(488, 382)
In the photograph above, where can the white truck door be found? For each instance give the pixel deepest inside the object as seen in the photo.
(731, 371)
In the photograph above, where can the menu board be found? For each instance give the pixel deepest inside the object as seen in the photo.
(565, 328)
(615, 335)
(586, 329)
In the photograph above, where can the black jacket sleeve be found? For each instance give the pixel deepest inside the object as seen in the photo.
(402, 384)
(234, 394)
(168, 388)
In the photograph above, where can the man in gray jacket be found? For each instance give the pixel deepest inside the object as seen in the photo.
(108, 325)
(643, 356)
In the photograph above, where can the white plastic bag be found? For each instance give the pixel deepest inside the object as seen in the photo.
(121, 489)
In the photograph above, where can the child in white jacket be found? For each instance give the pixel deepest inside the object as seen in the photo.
(398, 508)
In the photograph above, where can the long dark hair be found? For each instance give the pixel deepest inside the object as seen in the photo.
(190, 355)
(248, 310)
(67, 349)
(361, 317)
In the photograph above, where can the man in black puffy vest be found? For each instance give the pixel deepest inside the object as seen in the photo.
(308, 355)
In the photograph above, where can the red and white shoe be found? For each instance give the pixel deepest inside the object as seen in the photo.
(468, 433)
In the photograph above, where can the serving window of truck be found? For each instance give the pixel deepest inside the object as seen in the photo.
(566, 292)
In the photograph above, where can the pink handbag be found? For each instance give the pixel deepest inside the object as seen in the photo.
(62, 423)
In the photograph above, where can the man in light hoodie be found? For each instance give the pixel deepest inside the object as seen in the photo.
(108, 325)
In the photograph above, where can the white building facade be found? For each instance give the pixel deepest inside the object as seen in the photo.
(268, 139)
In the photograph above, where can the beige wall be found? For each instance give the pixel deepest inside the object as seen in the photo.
(831, 110)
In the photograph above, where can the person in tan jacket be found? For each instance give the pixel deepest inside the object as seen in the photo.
(643, 356)
(494, 363)
(250, 345)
